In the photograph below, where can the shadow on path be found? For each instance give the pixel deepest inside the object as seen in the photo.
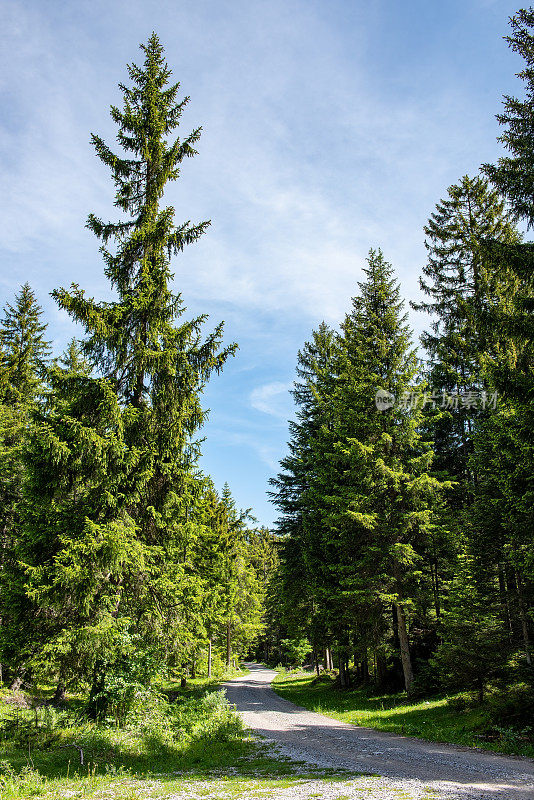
(312, 737)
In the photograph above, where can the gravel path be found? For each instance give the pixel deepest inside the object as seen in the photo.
(413, 767)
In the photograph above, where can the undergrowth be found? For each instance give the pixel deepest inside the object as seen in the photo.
(169, 742)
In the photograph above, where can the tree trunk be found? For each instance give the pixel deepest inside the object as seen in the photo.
(193, 668)
(344, 678)
(365, 670)
(380, 667)
(342, 675)
(524, 618)
(435, 587)
(98, 703)
(59, 694)
(228, 644)
(209, 657)
(480, 690)
(503, 591)
(316, 661)
(18, 680)
(404, 649)
(396, 636)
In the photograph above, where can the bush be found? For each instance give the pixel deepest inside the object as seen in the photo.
(324, 677)
(513, 708)
(26, 783)
(209, 717)
(459, 703)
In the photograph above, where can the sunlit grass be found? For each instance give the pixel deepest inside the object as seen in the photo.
(42, 758)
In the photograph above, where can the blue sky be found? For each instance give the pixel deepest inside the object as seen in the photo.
(330, 126)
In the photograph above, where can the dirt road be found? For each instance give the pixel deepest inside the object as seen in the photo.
(447, 770)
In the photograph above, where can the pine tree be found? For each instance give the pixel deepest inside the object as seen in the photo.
(301, 558)
(23, 363)
(23, 347)
(503, 453)
(355, 492)
(460, 283)
(472, 647)
(500, 525)
(513, 175)
(113, 513)
(241, 590)
(380, 512)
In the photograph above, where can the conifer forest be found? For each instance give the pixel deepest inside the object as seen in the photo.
(403, 555)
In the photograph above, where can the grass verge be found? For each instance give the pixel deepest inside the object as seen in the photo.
(185, 742)
(435, 718)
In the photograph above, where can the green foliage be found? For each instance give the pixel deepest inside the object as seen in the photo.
(403, 554)
(512, 175)
(27, 783)
(295, 651)
(471, 651)
(460, 280)
(23, 349)
(356, 493)
(125, 563)
(513, 707)
(23, 367)
(43, 750)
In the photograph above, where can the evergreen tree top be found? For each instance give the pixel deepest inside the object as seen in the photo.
(378, 316)
(513, 175)
(457, 233)
(134, 339)
(24, 349)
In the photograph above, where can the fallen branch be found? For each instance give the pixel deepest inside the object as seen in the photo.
(77, 746)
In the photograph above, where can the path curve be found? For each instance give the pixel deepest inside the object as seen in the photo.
(308, 736)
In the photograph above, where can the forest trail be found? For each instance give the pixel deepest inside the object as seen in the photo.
(447, 770)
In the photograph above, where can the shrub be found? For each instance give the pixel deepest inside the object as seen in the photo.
(513, 709)
(209, 717)
(26, 783)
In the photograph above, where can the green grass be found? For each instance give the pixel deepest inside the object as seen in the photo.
(434, 718)
(207, 769)
(194, 745)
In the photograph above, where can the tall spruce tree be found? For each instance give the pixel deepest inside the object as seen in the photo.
(513, 174)
(459, 283)
(500, 526)
(379, 513)
(504, 453)
(115, 485)
(355, 492)
(301, 558)
(241, 593)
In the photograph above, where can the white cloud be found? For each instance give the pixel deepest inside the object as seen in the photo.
(273, 399)
(302, 165)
